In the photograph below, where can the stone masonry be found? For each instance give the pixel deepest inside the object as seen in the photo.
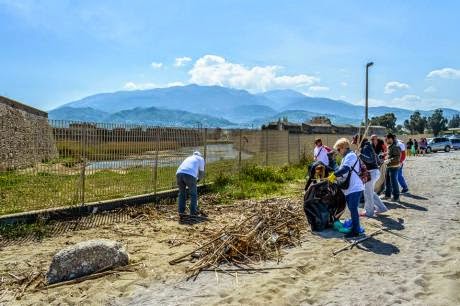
(26, 138)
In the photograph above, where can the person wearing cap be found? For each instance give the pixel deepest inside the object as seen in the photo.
(392, 162)
(190, 171)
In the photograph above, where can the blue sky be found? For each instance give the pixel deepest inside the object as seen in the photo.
(53, 52)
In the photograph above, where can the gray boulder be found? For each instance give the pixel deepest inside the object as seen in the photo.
(86, 258)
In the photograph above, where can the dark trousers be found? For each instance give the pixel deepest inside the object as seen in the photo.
(185, 181)
(391, 183)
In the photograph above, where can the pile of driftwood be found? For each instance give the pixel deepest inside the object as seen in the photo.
(266, 228)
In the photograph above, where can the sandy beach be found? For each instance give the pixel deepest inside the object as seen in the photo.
(416, 262)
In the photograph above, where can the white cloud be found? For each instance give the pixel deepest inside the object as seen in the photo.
(156, 65)
(344, 84)
(406, 101)
(216, 70)
(181, 61)
(318, 88)
(393, 86)
(430, 89)
(445, 73)
(144, 86)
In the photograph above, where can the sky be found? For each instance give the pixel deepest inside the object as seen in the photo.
(54, 52)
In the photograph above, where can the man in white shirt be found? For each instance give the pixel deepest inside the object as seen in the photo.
(401, 179)
(320, 152)
(188, 174)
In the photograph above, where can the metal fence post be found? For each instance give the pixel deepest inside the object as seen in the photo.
(205, 150)
(266, 147)
(83, 168)
(239, 151)
(155, 166)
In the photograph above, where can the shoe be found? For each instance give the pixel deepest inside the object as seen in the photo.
(183, 219)
(396, 200)
(385, 198)
(405, 190)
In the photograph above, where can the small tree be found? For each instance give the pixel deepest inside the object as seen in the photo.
(455, 121)
(388, 120)
(437, 122)
(416, 123)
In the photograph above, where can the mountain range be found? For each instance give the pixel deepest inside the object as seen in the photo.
(216, 106)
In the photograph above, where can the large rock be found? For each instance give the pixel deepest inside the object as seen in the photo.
(86, 258)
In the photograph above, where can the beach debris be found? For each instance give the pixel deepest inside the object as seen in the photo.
(263, 230)
(85, 258)
(356, 242)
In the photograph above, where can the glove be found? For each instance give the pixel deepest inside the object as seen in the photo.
(331, 178)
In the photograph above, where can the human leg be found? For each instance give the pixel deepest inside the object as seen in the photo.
(402, 180)
(352, 203)
(192, 187)
(182, 193)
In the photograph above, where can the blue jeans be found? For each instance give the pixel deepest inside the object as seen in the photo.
(185, 181)
(352, 203)
(401, 179)
(391, 183)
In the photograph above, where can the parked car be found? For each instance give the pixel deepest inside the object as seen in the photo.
(455, 142)
(439, 144)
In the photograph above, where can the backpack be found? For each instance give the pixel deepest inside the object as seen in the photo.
(363, 174)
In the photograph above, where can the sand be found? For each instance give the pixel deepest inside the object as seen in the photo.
(419, 264)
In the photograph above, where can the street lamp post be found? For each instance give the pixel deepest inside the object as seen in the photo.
(367, 93)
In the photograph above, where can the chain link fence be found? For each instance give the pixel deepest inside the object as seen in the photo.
(102, 161)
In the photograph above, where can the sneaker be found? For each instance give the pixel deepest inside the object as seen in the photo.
(396, 200)
(385, 198)
(405, 190)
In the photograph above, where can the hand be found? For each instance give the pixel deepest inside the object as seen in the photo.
(386, 162)
(331, 178)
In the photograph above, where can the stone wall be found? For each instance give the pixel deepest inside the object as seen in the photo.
(26, 138)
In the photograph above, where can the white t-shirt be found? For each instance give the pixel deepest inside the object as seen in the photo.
(320, 153)
(402, 146)
(191, 165)
(355, 181)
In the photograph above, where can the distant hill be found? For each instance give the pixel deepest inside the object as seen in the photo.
(209, 100)
(147, 116)
(215, 105)
(78, 114)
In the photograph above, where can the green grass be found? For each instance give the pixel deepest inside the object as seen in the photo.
(20, 191)
(256, 182)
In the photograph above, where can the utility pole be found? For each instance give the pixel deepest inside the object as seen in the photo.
(367, 94)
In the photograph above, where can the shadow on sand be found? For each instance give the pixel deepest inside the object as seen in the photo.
(413, 196)
(378, 247)
(391, 224)
(405, 205)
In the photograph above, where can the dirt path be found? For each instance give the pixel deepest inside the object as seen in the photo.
(423, 268)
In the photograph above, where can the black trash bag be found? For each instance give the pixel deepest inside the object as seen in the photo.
(323, 204)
